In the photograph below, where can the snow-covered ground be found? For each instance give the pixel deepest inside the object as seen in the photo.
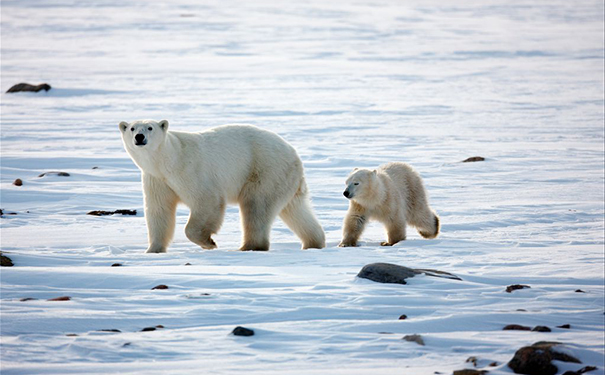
(348, 84)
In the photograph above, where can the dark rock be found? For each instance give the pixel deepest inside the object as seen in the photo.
(60, 174)
(95, 167)
(116, 212)
(414, 338)
(27, 299)
(516, 327)
(473, 159)
(117, 265)
(470, 372)
(148, 329)
(521, 310)
(71, 335)
(18, 182)
(586, 369)
(110, 330)
(26, 87)
(403, 317)
(159, 326)
(395, 274)
(64, 298)
(493, 364)
(580, 291)
(161, 286)
(541, 329)
(126, 344)
(536, 359)
(564, 326)
(510, 288)
(241, 331)
(187, 264)
(5, 261)
(472, 360)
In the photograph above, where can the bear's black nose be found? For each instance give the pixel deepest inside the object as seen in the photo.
(346, 193)
(139, 138)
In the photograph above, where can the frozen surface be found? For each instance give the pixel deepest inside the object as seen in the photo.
(349, 84)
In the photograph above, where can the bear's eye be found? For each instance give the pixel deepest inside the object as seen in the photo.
(150, 128)
(356, 183)
(131, 129)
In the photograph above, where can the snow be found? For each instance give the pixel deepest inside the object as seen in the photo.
(348, 84)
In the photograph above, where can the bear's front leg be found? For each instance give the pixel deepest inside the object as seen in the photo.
(205, 221)
(354, 224)
(160, 213)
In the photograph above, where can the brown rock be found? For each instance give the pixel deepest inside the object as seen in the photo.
(161, 286)
(516, 327)
(472, 360)
(473, 159)
(541, 329)
(26, 87)
(536, 359)
(5, 261)
(470, 372)
(510, 288)
(414, 338)
(18, 182)
(403, 317)
(64, 298)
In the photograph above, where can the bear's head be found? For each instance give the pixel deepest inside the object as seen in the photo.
(143, 134)
(362, 185)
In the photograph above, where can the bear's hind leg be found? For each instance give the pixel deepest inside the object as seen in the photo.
(204, 222)
(257, 215)
(395, 230)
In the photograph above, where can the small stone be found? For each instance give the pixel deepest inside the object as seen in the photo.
(148, 329)
(64, 298)
(510, 288)
(95, 167)
(161, 286)
(126, 344)
(117, 265)
(26, 87)
(241, 331)
(473, 159)
(541, 329)
(470, 372)
(5, 261)
(521, 310)
(472, 360)
(414, 338)
(18, 182)
(586, 369)
(27, 299)
(110, 330)
(71, 335)
(187, 264)
(580, 291)
(516, 327)
(493, 364)
(60, 174)
(564, 326)
(106, 213)
(159, 326)
(403, 317)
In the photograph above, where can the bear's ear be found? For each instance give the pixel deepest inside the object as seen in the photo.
(123, 126)
(355, 169)
(163, 124)
(374, 171)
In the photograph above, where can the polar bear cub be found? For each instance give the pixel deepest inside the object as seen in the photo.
(394, 195)
(230, 164)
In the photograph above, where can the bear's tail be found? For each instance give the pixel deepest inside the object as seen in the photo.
(299, 217)
(430, 228)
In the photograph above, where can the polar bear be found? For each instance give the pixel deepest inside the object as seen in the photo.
(240, 164)
(394, 195)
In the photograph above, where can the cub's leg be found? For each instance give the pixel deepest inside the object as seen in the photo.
(354, 224)
(204, 221)
(160, 213)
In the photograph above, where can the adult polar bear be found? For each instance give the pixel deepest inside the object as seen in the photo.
(207, 170)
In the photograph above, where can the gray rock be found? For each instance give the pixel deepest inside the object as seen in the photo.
(414, 338)
(395, 274)
(242, 331)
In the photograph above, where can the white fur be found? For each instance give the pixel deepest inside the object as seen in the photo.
(394, 195)
(228, 164)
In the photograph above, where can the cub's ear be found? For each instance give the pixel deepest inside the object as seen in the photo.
(355, 169)
(123, 126)
(163, 124)
(374, 171)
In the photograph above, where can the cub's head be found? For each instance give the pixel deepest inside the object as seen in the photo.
(361, 185)
(143, 134)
